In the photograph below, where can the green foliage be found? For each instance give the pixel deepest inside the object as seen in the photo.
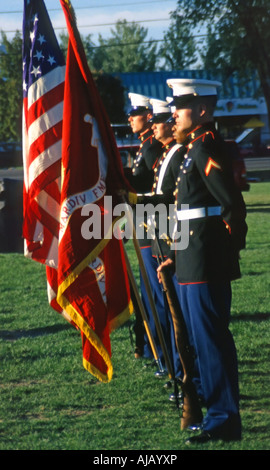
(11, 88)
(48, 400)
(111, 92)
(236, 30)
(238, 36)
(178, 48)
(125, 51)
(109, 87)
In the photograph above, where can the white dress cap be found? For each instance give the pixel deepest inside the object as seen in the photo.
(160, 106)
(170, 100)
(190, 86)
(161, 111)
(139, 100)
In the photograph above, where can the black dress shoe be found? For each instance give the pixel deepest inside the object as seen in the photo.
(206, 436)
(200, 438)
(172, 397)
(168, 385)
(160, 374)
(195, 427)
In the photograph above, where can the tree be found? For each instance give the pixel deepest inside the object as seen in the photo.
(88, 45)
(11, 88)
(126, 50)
(112, 94)
(110, 88)
(178, 49)
(238, 35)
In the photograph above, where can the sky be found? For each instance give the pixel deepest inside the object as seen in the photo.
(96, 16)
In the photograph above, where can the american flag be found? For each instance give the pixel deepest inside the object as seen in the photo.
(43, 91)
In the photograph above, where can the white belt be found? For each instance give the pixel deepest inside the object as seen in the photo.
(199, 212)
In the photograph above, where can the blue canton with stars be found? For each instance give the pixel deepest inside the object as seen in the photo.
(41, 51)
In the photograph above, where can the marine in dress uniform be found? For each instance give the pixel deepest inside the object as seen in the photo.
(141, 179)
(217, 229)
(166, 172)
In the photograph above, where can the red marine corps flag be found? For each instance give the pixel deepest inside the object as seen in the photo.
(90, 283)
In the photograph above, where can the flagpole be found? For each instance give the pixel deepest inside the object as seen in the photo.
(150, 296)
(143, 313)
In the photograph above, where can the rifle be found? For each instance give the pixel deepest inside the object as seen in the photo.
(150, 296)
(143, 313)
(191, 411)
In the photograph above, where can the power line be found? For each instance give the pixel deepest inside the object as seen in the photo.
(94, 6)
(151, 41)
(101, 24)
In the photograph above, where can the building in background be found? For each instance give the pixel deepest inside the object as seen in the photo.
(237, 109)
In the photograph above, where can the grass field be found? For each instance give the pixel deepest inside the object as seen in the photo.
(50, 402)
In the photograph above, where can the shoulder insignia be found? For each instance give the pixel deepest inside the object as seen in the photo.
(211, 164)
(208, 133)
(202, 136)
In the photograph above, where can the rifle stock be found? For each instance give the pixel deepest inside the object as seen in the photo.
(191, 411)
(150, 298)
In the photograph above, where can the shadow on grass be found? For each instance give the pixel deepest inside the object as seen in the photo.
(250, 317)
(258, 205)
(265, 208)
(32, 333)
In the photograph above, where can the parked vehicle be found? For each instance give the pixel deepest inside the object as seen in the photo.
(239, 167)
(127, 143)
(10, 154)
(250, 145)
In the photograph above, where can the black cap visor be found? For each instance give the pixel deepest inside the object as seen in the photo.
(137, 110)
(171, 120)
(161, 117)
(183, 101)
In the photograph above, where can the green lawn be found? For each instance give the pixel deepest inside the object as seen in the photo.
(50, 402)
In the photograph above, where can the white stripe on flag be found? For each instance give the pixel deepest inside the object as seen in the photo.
(45, 84)
(52, 256)
(51, 155)
(45, 122)
(49, 204)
